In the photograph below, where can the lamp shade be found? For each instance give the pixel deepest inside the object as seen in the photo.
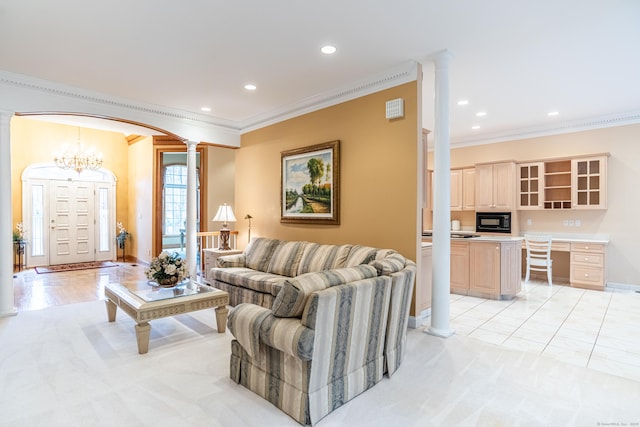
(224, 214)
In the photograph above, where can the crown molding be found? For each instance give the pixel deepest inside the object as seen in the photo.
(570, 126)
(392, 77)
(61, 90)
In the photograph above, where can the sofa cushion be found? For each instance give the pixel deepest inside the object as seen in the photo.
(360, 255)
(390, 264)
(292, 297)
(246, 278)
(286, 258)
(317, 257)
(259, 252)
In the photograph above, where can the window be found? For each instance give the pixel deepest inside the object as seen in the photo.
(175, 199)
(37, 220)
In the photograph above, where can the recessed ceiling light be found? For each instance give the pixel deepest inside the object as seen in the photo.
(250, 87)
(463, 102)
(206, 109)
(481, 113)
(328, 49)
(474, 127)
(553, 113)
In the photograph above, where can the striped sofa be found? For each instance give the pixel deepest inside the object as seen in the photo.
(320, 324)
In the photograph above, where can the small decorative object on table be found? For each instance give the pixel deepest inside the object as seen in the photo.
(167, 270)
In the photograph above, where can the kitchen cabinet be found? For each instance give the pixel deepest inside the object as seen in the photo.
(456, 187)
(468, 189)
(576, 183)
(422, 290)
(495, 268)
(459, 276)
(589, 183)
(587, 264)
(530, 185)
(495, 187)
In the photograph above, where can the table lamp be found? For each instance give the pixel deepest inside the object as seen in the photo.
(224, 215)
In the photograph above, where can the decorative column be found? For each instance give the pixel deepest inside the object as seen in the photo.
(441, 201)
(7, 304)
(192, 213)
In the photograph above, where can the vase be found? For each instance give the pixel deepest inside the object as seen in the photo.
(168, 282)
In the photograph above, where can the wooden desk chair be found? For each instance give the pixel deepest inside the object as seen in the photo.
(538, 254)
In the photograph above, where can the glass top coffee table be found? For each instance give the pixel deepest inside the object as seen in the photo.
(144, 302)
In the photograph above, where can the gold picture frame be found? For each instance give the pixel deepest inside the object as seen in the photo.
(310, 184)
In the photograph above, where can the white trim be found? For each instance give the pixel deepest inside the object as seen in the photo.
(395, 76)
(625, 286)
(579, 125)
(420, 320)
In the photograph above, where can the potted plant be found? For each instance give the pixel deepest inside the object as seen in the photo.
(122, 235)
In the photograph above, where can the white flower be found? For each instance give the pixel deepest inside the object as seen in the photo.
(170, 269)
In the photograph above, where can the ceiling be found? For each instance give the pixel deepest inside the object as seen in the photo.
(516, 61)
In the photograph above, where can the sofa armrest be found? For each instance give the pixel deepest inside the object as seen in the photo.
(227, 261)
(288, 335)
(244, 323)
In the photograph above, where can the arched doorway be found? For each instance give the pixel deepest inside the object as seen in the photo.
(68, 216)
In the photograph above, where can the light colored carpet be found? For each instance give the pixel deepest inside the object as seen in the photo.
(68, 366)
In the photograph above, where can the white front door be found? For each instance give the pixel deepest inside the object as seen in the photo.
(72, 222)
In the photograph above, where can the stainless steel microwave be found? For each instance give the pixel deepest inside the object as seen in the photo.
(493, 222)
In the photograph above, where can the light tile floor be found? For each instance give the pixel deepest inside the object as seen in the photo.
(592, 329)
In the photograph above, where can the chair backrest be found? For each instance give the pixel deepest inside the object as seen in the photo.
(538, 248)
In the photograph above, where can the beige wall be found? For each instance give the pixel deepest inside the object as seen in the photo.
(140, 199)
(378, 173)
(619, 220)
(221, 181)
(35, 141)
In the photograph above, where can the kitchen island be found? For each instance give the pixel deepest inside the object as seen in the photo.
(486, 266)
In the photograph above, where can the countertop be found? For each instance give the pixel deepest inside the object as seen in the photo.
(556, 237)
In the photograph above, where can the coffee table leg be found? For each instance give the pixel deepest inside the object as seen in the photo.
(221, 318)
(111, 310)
(143, 330)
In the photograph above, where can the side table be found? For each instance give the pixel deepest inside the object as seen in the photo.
(210, 257)
(18, 248)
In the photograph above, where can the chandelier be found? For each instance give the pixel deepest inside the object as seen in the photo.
(77, 158)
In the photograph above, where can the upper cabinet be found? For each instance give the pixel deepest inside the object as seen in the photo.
(495, 187)
(463, 187)
(530, 185)
(589, 181)
(567, 183)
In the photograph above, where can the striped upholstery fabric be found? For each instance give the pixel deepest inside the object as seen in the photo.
(348, 323)
(286, 258)
(259, 252)
(317, 257)
(402, 283)
(246, 278)
(360, 255)
(238, 295)
(392, 263)
(287, 335)
(244, 323)
(235, 260)
(292, 298)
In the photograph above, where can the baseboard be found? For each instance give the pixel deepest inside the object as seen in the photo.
(625, 286)
(420, 320)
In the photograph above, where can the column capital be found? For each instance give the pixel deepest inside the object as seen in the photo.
(191, 144)
(440, 58)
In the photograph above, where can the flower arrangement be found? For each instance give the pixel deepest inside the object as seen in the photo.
(167, 269)
(122, 235)
(18, 233)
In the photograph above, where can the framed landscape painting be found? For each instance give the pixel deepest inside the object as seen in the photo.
(310, 185)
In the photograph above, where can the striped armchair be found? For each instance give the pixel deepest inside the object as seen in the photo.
(310, 366)
(328, 336)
